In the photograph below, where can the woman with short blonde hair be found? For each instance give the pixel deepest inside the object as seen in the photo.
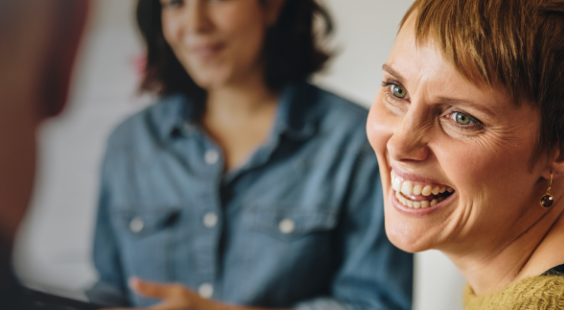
(468, 128)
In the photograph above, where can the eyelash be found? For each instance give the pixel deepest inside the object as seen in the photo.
(476, 123)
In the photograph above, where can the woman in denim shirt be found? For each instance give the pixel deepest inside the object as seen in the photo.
(243, 184)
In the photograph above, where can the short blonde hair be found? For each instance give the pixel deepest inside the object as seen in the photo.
(516, 43)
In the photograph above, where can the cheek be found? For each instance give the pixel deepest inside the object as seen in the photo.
(171, 29)
(245, 32)
(380, 127)
(492, 177)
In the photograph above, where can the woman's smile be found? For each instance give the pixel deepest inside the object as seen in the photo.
(416, 194)
(207, 51)
(450, 151)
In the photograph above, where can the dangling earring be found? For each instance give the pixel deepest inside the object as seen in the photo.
(547, 200)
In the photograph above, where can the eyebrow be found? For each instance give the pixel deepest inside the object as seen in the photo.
(458, 102)
(388, 68)
(451, 101)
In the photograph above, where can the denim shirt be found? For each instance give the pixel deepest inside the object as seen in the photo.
(299, 225)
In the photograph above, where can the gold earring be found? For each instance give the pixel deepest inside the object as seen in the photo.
(547, 200)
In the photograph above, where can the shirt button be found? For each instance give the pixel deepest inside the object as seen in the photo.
(287, 226)
(205, 290)
(210, 220)
(136, 225)
(211, 157)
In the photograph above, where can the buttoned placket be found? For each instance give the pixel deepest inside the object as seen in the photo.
(210, 217)
(211, 209)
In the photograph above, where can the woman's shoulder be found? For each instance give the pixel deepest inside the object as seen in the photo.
(335, 113)
(149, 124)
(333, 103)
(545, 292)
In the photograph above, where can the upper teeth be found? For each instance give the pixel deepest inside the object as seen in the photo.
(408, 188)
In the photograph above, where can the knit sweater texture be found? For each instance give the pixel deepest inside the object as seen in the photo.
(535, 293)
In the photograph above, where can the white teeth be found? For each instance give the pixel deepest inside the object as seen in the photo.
(416, 204)
(401, 199)
(407, 188)
(396, 184)
(427, 190)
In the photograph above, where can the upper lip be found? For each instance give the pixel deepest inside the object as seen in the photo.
(205, 46)
(415, 178)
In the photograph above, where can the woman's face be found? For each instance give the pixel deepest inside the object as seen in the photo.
(456, 159)
(218, 42)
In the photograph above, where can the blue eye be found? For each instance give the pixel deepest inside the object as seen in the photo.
(462, 118)
(398, 91)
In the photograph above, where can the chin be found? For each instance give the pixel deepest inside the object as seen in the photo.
(210, 82)
(406, 235)
(210, 78)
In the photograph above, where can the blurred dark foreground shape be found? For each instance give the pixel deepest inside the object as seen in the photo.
(38, 43)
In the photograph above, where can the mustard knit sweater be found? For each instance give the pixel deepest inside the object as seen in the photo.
(536, 293)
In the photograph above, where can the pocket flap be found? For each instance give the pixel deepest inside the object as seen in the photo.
(290, 224)
(142, 222)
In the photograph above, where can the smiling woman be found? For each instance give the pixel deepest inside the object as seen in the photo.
(243, 184)
(468, 129)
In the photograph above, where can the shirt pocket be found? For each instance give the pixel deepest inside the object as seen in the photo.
(146, 241)
(141, 223)
(289, 223)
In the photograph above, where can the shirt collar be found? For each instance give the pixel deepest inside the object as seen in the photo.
(175, 116)
(295, 115)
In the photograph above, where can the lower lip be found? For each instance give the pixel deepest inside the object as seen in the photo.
(417, 212)
(208, 53)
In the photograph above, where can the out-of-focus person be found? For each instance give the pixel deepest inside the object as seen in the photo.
(468, 128)
(38, 43)
(243, 185)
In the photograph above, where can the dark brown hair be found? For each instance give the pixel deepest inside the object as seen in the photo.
(518, 44)
(291, 51)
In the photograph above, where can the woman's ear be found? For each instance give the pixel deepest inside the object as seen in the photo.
(273, 10)
(556, 163)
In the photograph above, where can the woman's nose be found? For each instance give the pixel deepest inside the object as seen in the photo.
(198, 17)
(409, 142)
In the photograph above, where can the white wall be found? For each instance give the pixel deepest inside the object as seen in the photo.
(54, 244)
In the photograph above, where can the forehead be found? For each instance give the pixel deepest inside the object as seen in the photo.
(424, 67)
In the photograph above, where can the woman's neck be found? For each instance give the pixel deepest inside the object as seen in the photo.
(239, 101)
(529, 252)
(239, 119)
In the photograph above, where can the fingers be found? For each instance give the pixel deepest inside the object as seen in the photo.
(149, 289)
(155, 290)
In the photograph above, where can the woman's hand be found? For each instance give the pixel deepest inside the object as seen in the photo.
(172, 296)
(177, 297)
